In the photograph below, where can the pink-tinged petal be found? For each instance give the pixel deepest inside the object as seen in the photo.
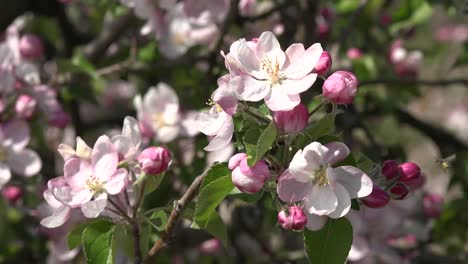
(294, 52)
(297, 86)
(66, 151)
(250, 89)
(344, 202)
(62, 194)
(76, 172)
(337, 152)
(167, 133)
(167, 94)
(321, 200)
(315, 222)
(117, 182)
(223, 138)
(235, 160)
(24, 162)
(51, 200)
(131, 130)
(315, 152)
(247, 58)
(291, 190)
(58, 217)
(225, 98)
(244, 183)
(354, 180)
(301, 169)
(104, 159)
(57, 182)
(280, 100)
(79, 197)
(92, 209)
(15, 134)
(5, 174)
(268, 46)
(210, 123)
(124, 146)
(304, 64)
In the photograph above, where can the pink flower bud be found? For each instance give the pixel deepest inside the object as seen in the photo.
(377, 198)
(154, 160)
(324, 63)
(390, 169)
(59, 118)
(292, 121)
(326, 12)
(399, 191)
(12, 193)
(340, 87)
(433, 204)
(323, 30)
(211, 246)
(410, 173)
(31, 46)
(25, 106)
(354, 53)
(248, 179)
(293, 218)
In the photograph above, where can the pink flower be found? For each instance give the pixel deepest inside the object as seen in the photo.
(218, 122)
(354, 53)
(211, 246)
(293, 218)
(25, 106)
(326, 191)
(340, 87)
(248, 179)
(377, 198)
(57, 196)
(12, 193)
(31, 46)
(90, 182)
(154, 160)
(433, 204)
(159, 109)
(14, 156)
(390, 169)
(292, 121)
(410, 173)
(128, 143)
(268, 72)
(324, 64)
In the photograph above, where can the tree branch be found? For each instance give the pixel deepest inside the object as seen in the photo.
(414, 82)
(179, 207)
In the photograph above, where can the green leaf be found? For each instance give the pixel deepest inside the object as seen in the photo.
(216, 227)
(152, 181)
(331, 244)
(159, 220)
(316, 130)
(74, 237)
(98, 242)
(258, 142)
(216, 171)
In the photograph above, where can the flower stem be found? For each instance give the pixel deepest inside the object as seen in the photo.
(316, 108)
(259, 117)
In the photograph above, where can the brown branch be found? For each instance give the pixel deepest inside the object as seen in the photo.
(397, 82)
(265, 14)
(179, 207)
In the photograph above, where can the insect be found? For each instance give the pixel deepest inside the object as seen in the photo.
(445, 163)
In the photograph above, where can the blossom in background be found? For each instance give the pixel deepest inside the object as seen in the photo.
(405, 63)
(326, 191)
(269, 73)
(217, 122)
(159, 110)
(14, 156)
(82, 151)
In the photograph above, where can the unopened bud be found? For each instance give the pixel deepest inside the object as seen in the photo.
(12, 193)
(25, 106)
(324, 63)
(154, 160)
(399, 191)
(340, 87)
(211, 246)
(31, 46)
(293, 218)
(377, 198)
(248, 179)
(390, 169)
(292, 121)
(410, 173)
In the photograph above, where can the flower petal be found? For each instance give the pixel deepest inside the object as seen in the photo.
(248, 61)
(24, 162)
(315, 222)
(223, 138)
(210, 123)
(321, 200)
(225, 98)
(280, 100)
(249, 88)
(131, 130)
(291, 190)
(117, 182)
(294, 52)
(76, 172)
(337, 152)
(300, 168)
(104, 159)
(344, 202)
(66, 151)
(303, 65)
(354, 180)
(15, 134)
(79, 197)
(58, 217)
(82, 149)
(93, 209)
(167, 133)
(297, 86)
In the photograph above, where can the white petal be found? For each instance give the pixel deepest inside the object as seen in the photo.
(297, 86)
(344, 202)
(58, 217)
(337, 152)
(223, 138)
(209, 123)
(92, 209)
(321, 200)
(304, 64)
(24, 162)
(5, 174)
(300, 168)
(167, 133)
(66, 151)
(280, 100)
(354, 180)
(249, 88)
(246, 57)
(359, 248)
(315, 222)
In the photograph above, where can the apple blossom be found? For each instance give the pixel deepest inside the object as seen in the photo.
(291, 121)
(248, 179)
(154, 160)
(12, 193)
(159, 109)
(57, 195)
(211, 246)
(292, 218)
(377, 198)
(14, 156)
(25, 106)
(340, 87)
(324, 64)
(268, 72)
(31, 46)
(128, 143)
(326, 191)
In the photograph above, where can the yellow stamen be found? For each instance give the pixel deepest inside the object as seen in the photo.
(320, 177)
(94, 185)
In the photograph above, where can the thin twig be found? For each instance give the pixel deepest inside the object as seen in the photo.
(179, 207)
(122, 212)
